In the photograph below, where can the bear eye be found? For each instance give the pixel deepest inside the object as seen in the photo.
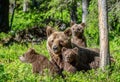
(78, 29)
(61, 42)
(51, 40)
(73, 29)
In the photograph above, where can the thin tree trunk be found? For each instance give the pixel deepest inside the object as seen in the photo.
(13, 11)
(84, 10)
(103, 29)
(25, 6)
(4, 16)
(73, 11)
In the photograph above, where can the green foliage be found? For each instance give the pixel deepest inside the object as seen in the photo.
(25, 20)
(114, 17)
(79, 13)
(92, 30)
(92, 27)
(58, 11)
(4, 35)
(13, 70)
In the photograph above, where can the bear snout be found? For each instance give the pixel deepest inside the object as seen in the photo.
(55, 48)
(22, 59)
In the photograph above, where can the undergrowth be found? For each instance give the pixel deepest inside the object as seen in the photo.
(13, 70)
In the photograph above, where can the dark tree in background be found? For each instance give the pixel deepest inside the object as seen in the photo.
(73, 11)
(4, 16)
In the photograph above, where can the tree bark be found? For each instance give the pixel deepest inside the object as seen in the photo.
(73, 11)
(13, 11)
(84, 10)
(4, 16)
(103, 29)
(25, 6)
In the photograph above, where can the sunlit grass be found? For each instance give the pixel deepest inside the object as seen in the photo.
(13, 70)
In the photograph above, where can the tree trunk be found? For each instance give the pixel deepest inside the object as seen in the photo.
(73, 11)
(103, 29)
(13, 11)
(4, 16)
(84, 10)
(25, 6)
(35, 4)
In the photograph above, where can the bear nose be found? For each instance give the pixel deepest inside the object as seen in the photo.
(76, 31)
(55, 48)
(67, 57)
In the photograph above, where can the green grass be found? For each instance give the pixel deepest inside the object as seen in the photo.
(13, 70)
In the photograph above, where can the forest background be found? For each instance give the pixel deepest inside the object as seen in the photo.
(27, 15)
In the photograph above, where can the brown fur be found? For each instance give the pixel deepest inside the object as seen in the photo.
(72, 57)
(95, 64)
(39, 62)
(69, 68)
(49, 30)
(87, 55)
(78, 37)
(55, 41)
(91, 57)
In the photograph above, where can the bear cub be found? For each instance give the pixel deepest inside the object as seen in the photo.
(72, 58)
(78, 38)
(69, 59)
(39, 62)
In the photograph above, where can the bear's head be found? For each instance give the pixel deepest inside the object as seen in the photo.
(28, 57)
(56, 40)
(78, 29)
(69, 55)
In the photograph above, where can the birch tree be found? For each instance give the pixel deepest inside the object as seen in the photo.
(103, 29)
(84, 10)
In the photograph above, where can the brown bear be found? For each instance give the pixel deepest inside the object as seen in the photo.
(95, 64)
(39, 62)
(55, 41)
(68, 67)
(78, 37)
(91, 57)
(87, 55)
(72, 57)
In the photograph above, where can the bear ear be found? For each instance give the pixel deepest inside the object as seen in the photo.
(64, 49)
(75, 49)
(82, 24)
(32, 50)
(72, 23)
(68, 32)
(49, 30)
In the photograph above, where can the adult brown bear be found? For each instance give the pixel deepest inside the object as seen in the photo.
(55, 41)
